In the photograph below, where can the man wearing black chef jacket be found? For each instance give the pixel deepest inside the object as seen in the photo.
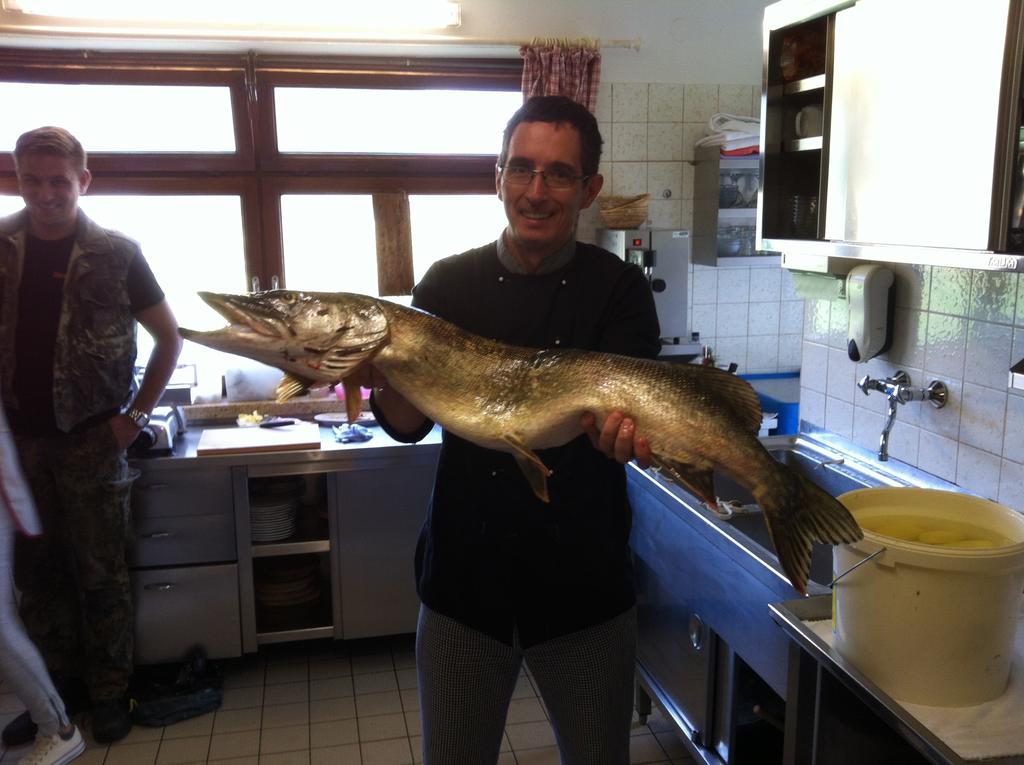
(503, 577)
(72, 293)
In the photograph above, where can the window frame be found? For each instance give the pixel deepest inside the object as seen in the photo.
(257, 171)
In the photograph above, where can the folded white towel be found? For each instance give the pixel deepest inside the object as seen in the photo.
(979, 732)
(731, 131)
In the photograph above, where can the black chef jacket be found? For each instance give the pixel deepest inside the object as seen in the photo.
(490, 554)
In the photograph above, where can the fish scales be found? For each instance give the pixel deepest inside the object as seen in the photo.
(697, 420)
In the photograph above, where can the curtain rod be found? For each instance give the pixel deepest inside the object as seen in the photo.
(25, 25)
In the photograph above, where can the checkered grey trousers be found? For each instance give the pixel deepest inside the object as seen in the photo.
(466, 681)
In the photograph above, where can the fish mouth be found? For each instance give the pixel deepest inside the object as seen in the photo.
(244, 313)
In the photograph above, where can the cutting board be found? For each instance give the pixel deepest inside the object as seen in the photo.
(301, 435)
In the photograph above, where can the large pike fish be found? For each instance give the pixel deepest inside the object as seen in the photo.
(696, 419)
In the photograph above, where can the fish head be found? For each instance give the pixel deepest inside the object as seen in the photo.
(314, 336)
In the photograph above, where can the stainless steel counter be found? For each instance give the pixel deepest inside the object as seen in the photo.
(792, 616)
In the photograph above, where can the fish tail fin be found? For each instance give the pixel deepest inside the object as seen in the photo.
(799, 513)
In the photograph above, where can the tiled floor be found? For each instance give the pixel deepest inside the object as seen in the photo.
(342, 703)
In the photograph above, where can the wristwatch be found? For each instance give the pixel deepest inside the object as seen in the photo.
(140, 418)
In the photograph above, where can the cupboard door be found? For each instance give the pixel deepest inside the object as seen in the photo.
(380, 511)
(177, 608)
(914, 122)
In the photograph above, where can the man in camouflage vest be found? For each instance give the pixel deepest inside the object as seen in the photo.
(71, 293)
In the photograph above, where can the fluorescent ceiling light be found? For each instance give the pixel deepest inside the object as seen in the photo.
(348, 14)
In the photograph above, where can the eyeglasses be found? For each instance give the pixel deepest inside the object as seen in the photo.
(554, 178)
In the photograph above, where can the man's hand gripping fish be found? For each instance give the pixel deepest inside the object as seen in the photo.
(697, 419)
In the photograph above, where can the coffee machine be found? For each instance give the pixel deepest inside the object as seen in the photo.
(664, 256)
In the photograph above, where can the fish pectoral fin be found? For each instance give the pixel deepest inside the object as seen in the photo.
(698, 481)
(533, 467)
(292, 386)
(353, 399)
(536, 475)
(341, 361)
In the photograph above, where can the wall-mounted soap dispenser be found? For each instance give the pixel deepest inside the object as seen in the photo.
(870, 296)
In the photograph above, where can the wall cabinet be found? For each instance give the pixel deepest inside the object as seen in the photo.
(908, 167)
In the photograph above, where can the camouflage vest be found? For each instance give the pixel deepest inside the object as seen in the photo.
(95, 351)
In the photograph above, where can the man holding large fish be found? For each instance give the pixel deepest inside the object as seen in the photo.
(504, 576)
(529, 353)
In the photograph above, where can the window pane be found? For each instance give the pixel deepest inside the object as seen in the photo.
(205, 254)
(122, 118)
(444, 224)
(330, 242)
(346, 120)
(10, 203)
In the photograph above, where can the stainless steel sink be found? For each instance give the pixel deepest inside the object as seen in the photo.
(835, 473)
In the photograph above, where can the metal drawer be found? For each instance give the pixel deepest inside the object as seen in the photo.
(182, 492)
(175, 540)
(177, 608)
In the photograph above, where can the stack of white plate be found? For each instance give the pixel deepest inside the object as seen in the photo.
(272, 518)
(285, 582)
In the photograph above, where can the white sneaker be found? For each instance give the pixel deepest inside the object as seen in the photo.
(54, 750)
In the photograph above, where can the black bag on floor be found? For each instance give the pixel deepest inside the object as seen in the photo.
(169, 693)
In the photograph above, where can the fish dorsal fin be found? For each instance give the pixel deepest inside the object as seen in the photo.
(292, 386)
(698, 481)
(742, 397)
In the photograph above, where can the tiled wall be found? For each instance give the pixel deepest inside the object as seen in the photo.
(750, 316)
(965, 328)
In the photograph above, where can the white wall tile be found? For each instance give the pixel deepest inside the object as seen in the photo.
(665, 213)
(812, 406)
(982, 417)
(730, 350)
(950, 291)
(987, 360)
(665, 102)
(946, 346)
(910, 329)
(790, 349)
(1013, 437)
(817, 320)
(665, 176)
(839, 417)
(731, 319)
(1011, 485)
(733, 285)
(763, 319)
(763, 354)
(665, 141)
(736, 99)
(993, 296)
(629, 179)
(603, 109)
(791, 317)
(842, 376)
(978, 471)
(937, 455)
(700, 103)
(705, 285)
(765, 284)
(629, 102)
(867, 428)
(911, 283)
(814, 367)
(692, 132)
(704, 319)
(629, 142)
(904, 443)
(944, 421)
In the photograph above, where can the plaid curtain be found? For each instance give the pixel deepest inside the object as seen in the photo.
(569, 68)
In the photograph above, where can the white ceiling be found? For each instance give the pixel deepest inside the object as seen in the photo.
(680, 40)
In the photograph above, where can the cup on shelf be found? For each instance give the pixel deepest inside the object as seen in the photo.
(809, 122)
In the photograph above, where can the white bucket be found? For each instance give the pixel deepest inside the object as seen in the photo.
(928, 624)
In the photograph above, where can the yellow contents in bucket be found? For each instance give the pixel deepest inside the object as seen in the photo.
(939, 532)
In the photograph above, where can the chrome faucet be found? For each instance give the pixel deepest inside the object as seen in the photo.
(899, 391)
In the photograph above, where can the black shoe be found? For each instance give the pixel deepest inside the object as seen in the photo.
(20, 730)
(111, 720)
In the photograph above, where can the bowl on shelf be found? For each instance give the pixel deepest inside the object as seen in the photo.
(624, 212)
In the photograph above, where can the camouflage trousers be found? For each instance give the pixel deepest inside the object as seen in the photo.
(76, 594)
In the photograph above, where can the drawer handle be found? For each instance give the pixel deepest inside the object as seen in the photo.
(160, 586)
(158, 535)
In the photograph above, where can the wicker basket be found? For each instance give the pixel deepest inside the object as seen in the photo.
(624, 212)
